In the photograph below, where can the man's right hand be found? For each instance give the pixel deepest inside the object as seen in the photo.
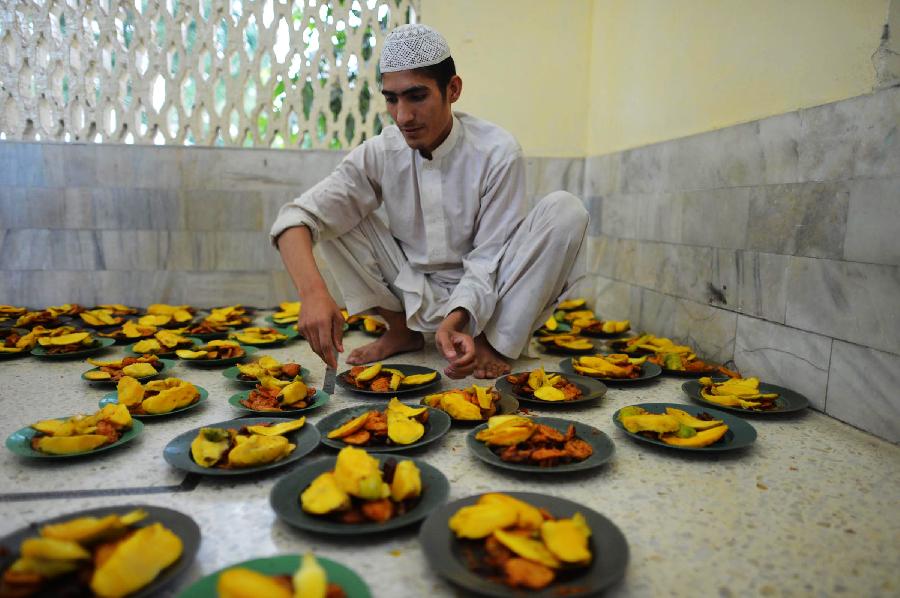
(322, 325)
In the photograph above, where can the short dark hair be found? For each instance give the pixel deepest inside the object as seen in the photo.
(441, 73)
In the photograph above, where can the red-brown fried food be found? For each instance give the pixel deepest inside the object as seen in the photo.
(358, 438)
(266, 399)
(522, 573)
(378, 510)
(521, 387)
(546, 447)
(116, 373)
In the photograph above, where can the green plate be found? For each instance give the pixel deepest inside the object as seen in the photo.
(320, 399)
(19, 442)
(600, 442)
(100, 345)
(648, 372)
(289, 332)
(449, 556)
(112, 398)
(507, 404)
(180, 524)
(178, 452)
(285, 500)
(215, 363)
(437, 425)
(233, 372)
(130, 350)
(740, 434)
(167, 364)
(788, 401)
(406, 369)
(591, 390)
(350, 582)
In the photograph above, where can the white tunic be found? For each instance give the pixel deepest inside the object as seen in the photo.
(452, 215)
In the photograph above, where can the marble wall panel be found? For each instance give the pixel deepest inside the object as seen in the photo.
(762, 284)
(854, 138)
(136, 167)
(209, 288)
(706, 275)
(729, 157)
(657, 313)
(39, 288)
(32, 207)
(147, 250)
(862, 389)
(602, 175)
(709, 330)
(716, 218)
(618, 216)
(594, 205)
(659, 217)
(873, 221)
(784, 356)
(803, 219)
(121, 208)
(46, 249)
(21, 164)
(779, 137)
(223, 210)
(846, 300)
(545, 175)
(135, 287)
(241, 250)
(641, 170)
(656, 266)
(625, 256)
(614, 300)
(602, 255)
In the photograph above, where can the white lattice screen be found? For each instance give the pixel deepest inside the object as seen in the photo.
(270, 73)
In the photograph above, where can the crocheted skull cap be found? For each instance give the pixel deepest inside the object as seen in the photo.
(412, 46)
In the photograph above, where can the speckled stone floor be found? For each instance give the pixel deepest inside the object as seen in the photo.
(811, 509)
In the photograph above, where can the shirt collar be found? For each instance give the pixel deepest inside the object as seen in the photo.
(450, 142)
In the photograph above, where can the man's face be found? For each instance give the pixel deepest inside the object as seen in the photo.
(420, 110)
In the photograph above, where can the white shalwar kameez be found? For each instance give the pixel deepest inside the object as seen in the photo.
(457, 233)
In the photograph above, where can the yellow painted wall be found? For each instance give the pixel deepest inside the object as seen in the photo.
(662, 69)
(524, 65)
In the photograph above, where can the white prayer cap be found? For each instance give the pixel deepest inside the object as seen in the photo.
(412, 46)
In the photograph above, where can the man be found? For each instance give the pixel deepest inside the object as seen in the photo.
(458, 256)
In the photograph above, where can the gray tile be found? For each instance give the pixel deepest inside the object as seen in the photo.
(208, 288)
(283, 287)
(137, 209)
(601, 174)
(803, 219)
(601, 255)
(619, 216)
(53, 164)
(846, 300)
(626, 250)
(139, 166)
(614, 300)
(862, 389)
(706, 275)
(134, 287)
(48, 287)
(79, 164)
(32, 207)
(784, 356)
(716, 218)
(594, 205)
(657, 313)
(729, 157)
(545, 175)
(146, 250)
(873, 220)
(223, 210)
(43, 249)
(708, 330)
(762, 284)
(242, 250)
(659, 217)
(642, 170)
(779, 137)
(78, 208)
(21, 164)
(656, 267)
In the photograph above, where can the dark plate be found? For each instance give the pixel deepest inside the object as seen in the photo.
(350, 582)
(215, 363)
(600, 442)
(591, 390)
(167, 364)
(406, 369)
(100, 345)
(686, 374)
(607, 543)
(788, 401)
(648, 372)
(740, 434)
(5, 333)
(437, 425)
(129, 350)
(285, 500)
(290, 333)
(320, 399)
(233, 372)
(113, 399)
(506, 405)
(618, 346)
(211, 336)
(178, 452)
(19, 442)
(556, 350)
(180, 524)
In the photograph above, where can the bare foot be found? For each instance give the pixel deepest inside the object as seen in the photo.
(390, 343)
(488, 363)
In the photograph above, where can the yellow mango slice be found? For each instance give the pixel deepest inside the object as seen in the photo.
(136, 561)
(171, 399)
(259, 450)
(703, 438)
(527, 516)
(548, 393)
(310, 580)
(536, 378)
(324, 495)
(402, 429)
(87, 530)
(69, 445)
(65, 339)
(278, 429)
(44, 569)
(139, 370)
(246, 583)
(533, 550)
(223, 343)
(396, 406)
(369, 373)
(359, 474)
(650, 423)
(154, 320)
(396, 379)
(49, 426)
(170, 339)
(459, 408)
(481, 520)
(508, 432)
(416, 379)
(350, 427)
(551, 323)
(148, 345)
(53, 549)
(571, 304)
(407, 482)
(188, 354)
(129, 391)
(209, 446)
(293, 393)
(567, 539)
(484, 395)
(133, 330)
(691, 421)
(97, 375)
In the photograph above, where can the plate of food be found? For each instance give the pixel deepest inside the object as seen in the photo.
(215, 353)
(472, 405)
(745, 395)
(250, 374)
(118, 309)
(101, 318)
(15, 342)
(537, 387)
(206, 330)
(262, 336)
(615, 368)
(684, 427)
(109, 372)
(44, 317)
(157, 398)
(358, 493)
(282, 576)
(594, 328)
(395, 428)
(70, 346)
(539, 444)
(687, 365)
(129, 332)
(294, 398)
(76, 436)
(142, 548)
(566, 344)
(268, 443)
(388, 379)
(231, 316)
(287, 314)
(162, 343)
(503, 544)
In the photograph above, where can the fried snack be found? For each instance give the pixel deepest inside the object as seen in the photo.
(269, 367)
(742, 393)
(398, 424)
(230, 317)
(81, 433)
(163, 342)
(205, 327)
(67, 343)
(272, 395)
(143, 366)
(593, 326)
(100, 317)
(249, 446)
(130, 331)
(377, 378)
(10, 311)
(288, 314)
(674, 427)
(616, 366)
(157, 396)
(517, 439)
(258, 336)
(523, 546)
(105, 556)
(538, 385)
(476, 403)
(37, 318)
(11, 341)
(309, 580)
(213, 350)
(361, 489)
